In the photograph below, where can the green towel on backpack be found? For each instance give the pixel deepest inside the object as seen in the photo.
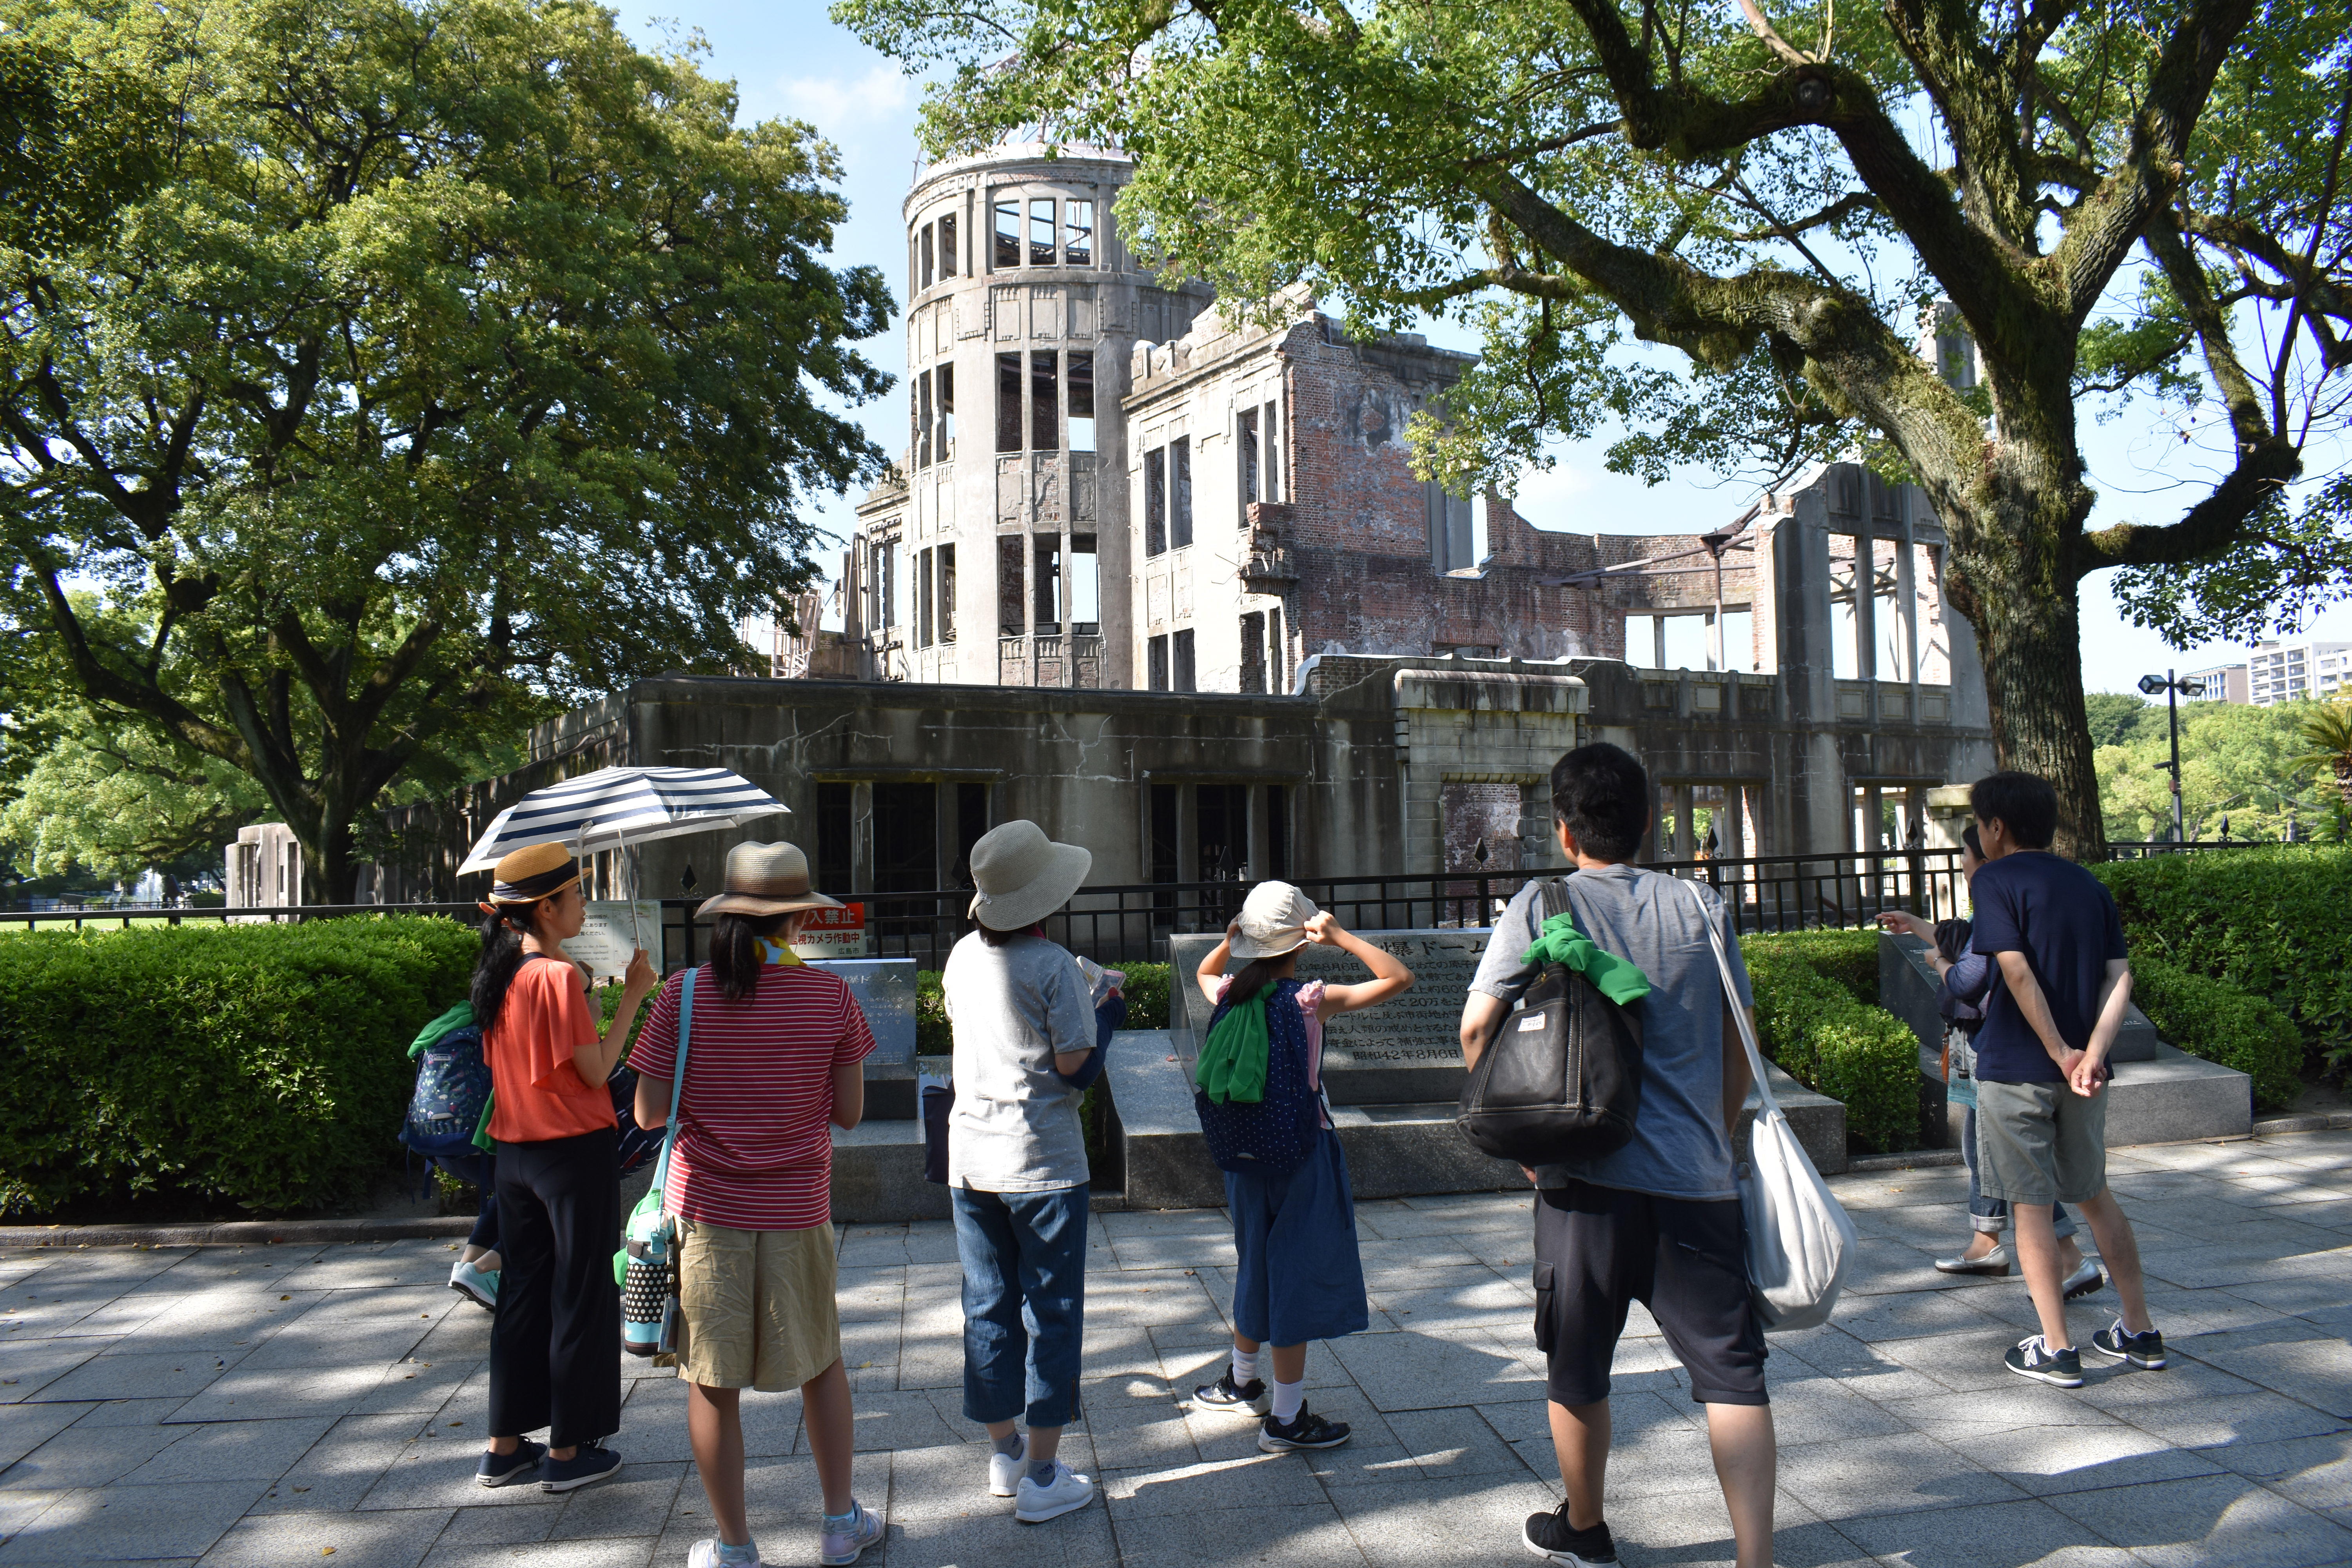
(1618, 979)
(1233, 1058)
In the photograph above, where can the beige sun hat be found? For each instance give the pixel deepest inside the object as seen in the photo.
(766, 880)
(1022, 876)
(1273, 922)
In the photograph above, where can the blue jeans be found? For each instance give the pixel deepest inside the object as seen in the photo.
(1991, 1216)
(1024, 1302)
(479, 1171)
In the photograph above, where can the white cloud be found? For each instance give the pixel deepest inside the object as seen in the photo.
(844, 109)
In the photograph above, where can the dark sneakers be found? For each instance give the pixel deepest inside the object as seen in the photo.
(1251, 1398)
(1550, 1535)
(1306, 1430)
(505, 1469)
(2034, 1358)
(2143, 1351)
(590, 1463)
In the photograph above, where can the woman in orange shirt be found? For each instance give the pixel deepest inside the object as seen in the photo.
(555, 1339)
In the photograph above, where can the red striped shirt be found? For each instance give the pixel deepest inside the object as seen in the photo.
(753, 1145)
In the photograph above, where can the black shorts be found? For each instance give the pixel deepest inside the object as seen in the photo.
(1598, 1249)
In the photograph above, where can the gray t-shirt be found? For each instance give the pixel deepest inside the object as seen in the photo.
(1678, 1149)
(1014, 1128)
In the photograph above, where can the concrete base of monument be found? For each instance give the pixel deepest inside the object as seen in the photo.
(1818, 1121)
(877, 1174)
(2170, 1098)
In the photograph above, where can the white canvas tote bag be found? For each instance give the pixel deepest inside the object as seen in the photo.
(1800, 1238)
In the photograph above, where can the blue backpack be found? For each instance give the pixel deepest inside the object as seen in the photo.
(453, 1088)
(1275, 1136)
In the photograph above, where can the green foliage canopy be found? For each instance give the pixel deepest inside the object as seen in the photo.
(448, 360)
(1742, 188)
(2236, 761)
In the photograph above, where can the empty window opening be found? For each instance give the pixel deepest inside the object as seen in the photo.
(834, 801)
(1273, 449)
(1008, 233)
(1010, 582)
(1249, 460)
(1044, 404)
(1180, 501)
(1155, 659)
(972, 822)
(923, 599)
(947, 593)
(1085, 586)
(924, 244)
(1082, 400)
(1077, 234)
(923, 420)
(906, 838)
(1046, 585)
(1277, 656)
(1008, 402)
(1163, 833)
(1278, 831)
(1690, 640)
(1254, 653)
(1451, 548)
(1155, 501)
(1180, 647)
(942, 446)
(890, 584)
(1041, 232)
(1221, 831)
(948, 246)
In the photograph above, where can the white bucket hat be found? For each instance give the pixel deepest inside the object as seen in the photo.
(1022, 876)
(1273, 922)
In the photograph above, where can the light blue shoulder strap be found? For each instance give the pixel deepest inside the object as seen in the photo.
(677, 1080)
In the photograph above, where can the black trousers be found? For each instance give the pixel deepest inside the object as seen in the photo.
(555, 1343)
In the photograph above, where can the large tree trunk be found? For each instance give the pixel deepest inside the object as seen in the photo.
(2018, 588)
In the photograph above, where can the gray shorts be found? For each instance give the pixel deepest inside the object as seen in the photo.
(2040, 1142)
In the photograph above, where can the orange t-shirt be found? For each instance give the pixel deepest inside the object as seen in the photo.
(541, 1094)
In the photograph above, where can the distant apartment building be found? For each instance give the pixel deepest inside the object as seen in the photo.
(2288, 672)
(2223, 683)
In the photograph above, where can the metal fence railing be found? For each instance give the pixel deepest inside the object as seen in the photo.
(1763, 893)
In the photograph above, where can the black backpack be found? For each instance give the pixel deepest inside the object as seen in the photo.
(1563, 1077)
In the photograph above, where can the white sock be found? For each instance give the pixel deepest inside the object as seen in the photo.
(1287, 1399)
(1244, 1368)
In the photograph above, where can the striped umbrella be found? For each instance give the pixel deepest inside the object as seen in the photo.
(613, 808)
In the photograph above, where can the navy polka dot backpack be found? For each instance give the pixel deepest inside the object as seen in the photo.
(1274, 1135)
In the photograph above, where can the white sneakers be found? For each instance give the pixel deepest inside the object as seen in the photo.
(1004, 1470)
(1069, 1493)
(478, 1285)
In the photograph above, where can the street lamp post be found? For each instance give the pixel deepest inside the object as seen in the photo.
(2174, 688)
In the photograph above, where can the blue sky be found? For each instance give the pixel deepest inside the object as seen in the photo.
(788, 59)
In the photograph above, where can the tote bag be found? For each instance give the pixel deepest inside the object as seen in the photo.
(1800, 1239)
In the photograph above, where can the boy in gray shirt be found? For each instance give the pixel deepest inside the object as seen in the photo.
(1658, 1220)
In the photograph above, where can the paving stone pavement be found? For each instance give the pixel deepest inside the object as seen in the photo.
(300, 1405)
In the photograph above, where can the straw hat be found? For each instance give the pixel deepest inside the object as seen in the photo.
(533, 872)
(1273, 922)
(1022, 876)
(766, 880)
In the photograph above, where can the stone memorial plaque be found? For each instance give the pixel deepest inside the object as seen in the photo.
(1403, 1052)
(884, 989)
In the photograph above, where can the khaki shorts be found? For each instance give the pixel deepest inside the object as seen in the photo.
(2040, 1142)
(758, 1306)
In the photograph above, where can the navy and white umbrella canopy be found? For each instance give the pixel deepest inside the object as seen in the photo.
(614, 807)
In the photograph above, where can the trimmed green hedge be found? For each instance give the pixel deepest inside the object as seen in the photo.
(2274, 923)
(2216, 1020)
(266, 1065)
(1818, 1031)
(1146, 1005)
